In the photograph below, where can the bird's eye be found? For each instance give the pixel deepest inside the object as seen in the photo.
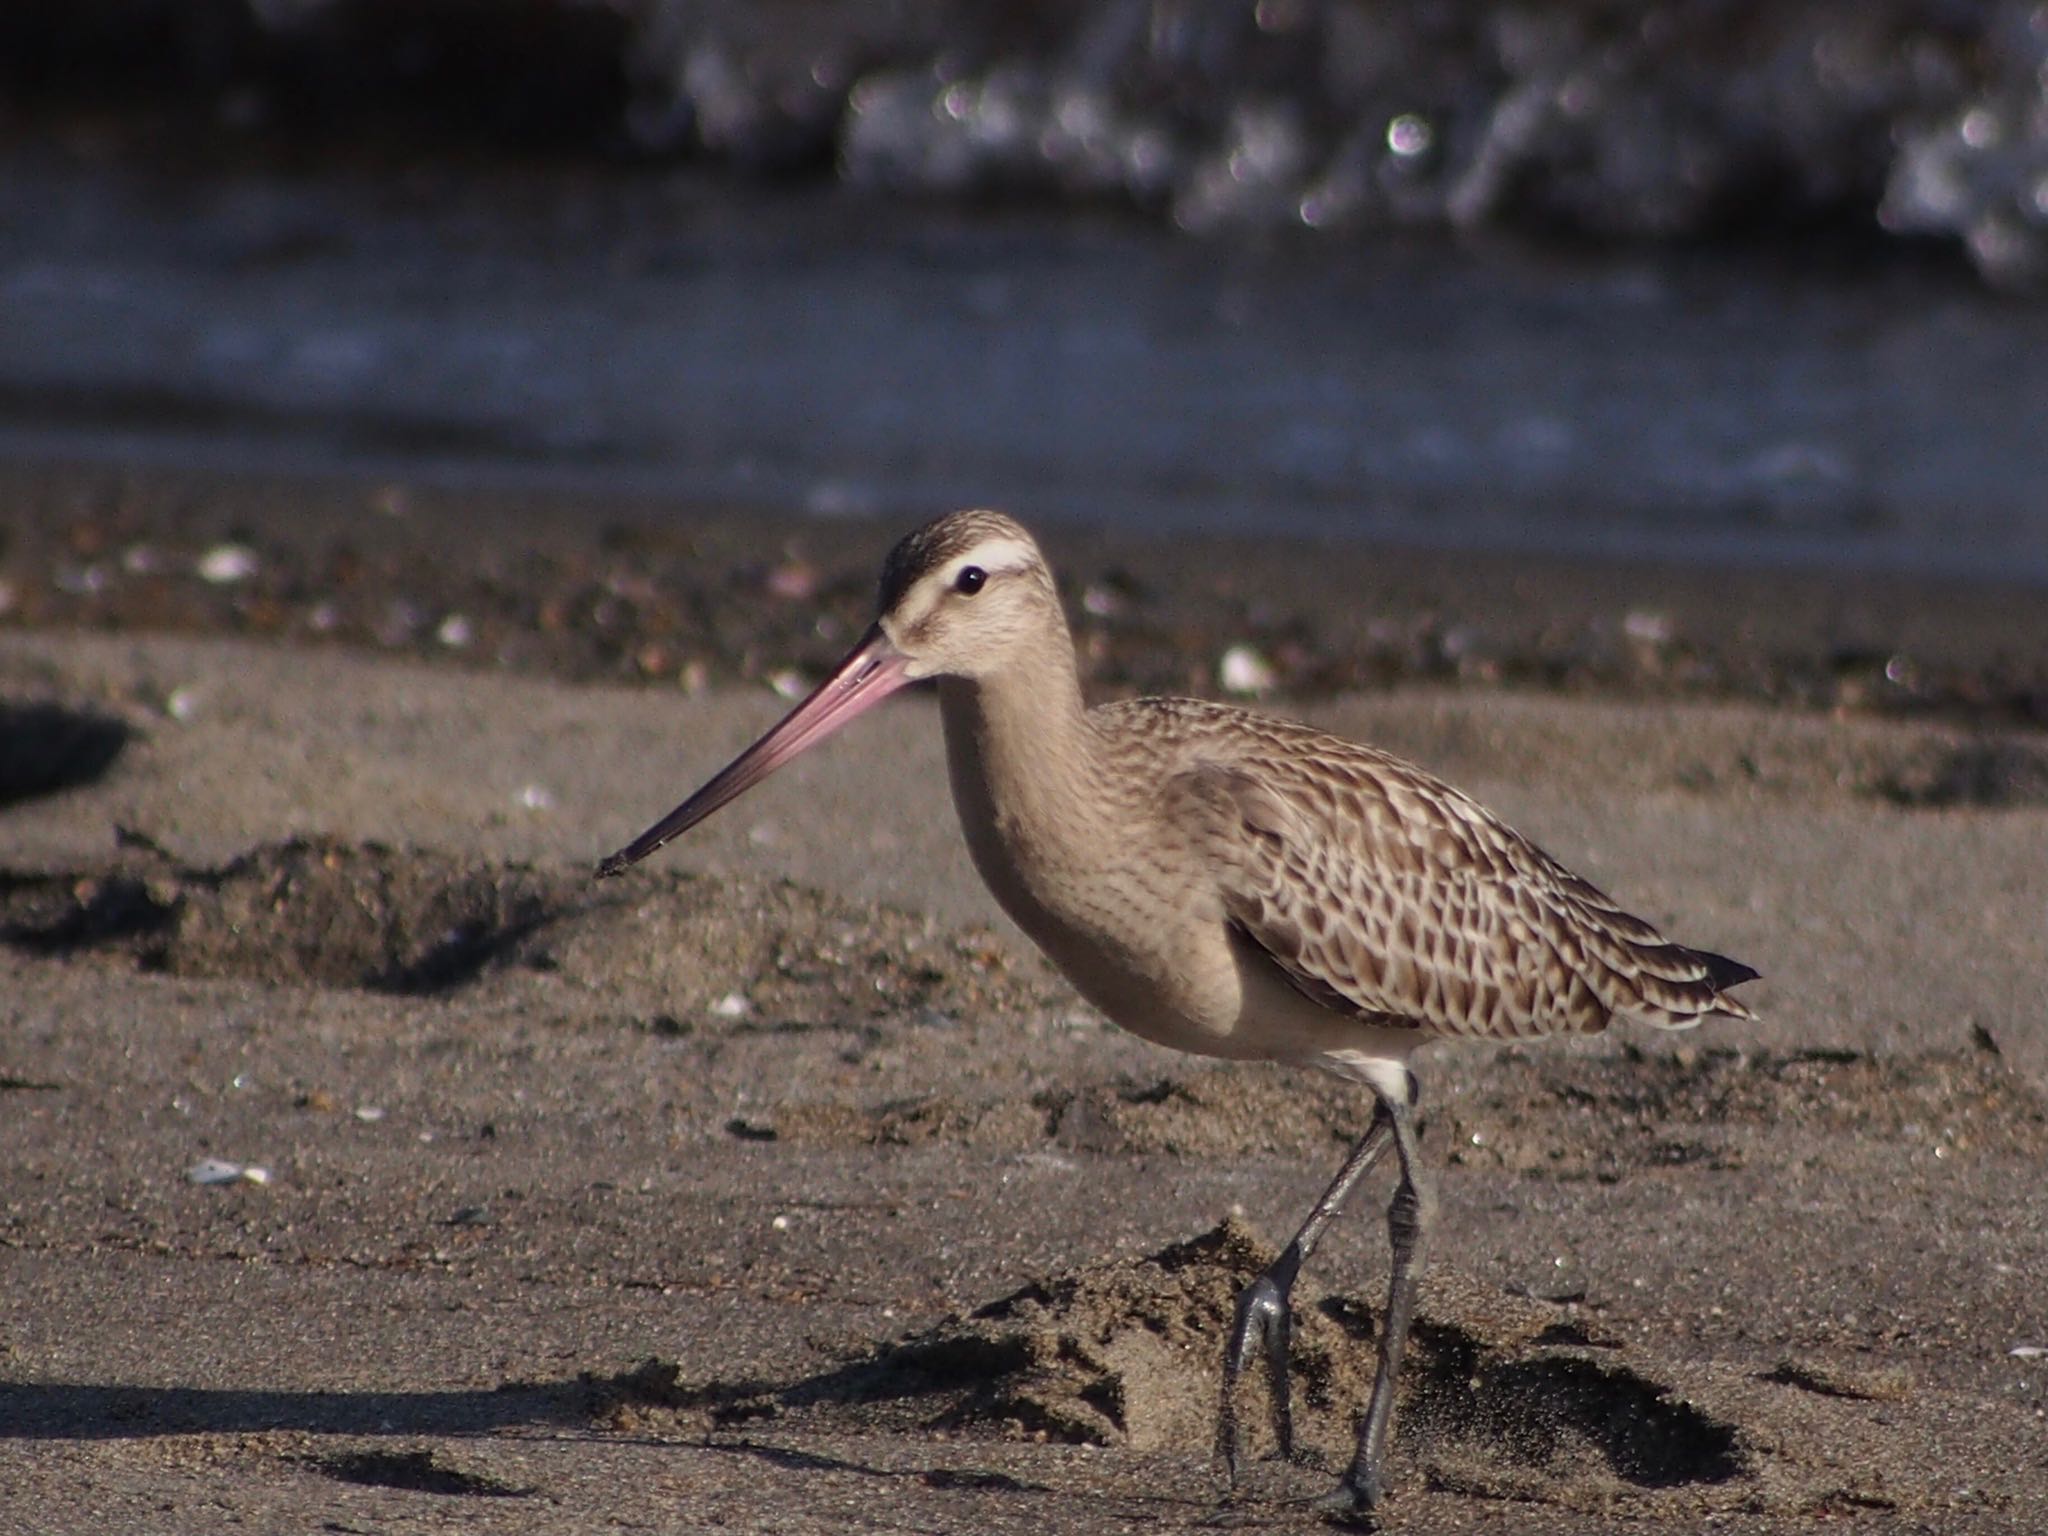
(970, 580)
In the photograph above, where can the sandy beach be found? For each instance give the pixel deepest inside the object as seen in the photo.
(780, 1187)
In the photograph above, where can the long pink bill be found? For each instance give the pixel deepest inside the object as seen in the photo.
(872, 671)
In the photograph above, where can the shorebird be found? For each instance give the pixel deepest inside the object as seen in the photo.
(1236, 885)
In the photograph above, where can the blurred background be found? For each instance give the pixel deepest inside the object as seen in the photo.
(1758, 282)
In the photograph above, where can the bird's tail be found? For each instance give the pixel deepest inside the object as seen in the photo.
(1689, 985)
(1723, 973)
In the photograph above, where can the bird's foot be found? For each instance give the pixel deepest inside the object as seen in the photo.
(1354, 1504)
(1262, 1317)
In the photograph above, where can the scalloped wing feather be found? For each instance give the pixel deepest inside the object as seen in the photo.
(1381, 891)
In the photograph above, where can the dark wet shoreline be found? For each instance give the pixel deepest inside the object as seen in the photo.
(663, 338)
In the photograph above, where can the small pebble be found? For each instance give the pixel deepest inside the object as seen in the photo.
(226, 563)
(455, 632)
(1647, 627)
(793, 581)
(732, 1006)
(218, 1170)
(1458, 641)
(1100, 600)
(1243, 670)
(633, 587)
(537, 797)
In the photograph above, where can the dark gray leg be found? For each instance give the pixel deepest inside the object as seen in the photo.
(1262, 1311)
(1408, 1222)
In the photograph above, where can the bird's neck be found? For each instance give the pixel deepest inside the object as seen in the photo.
(1022, 756)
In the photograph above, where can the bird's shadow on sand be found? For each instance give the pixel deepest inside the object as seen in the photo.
(62, 1410)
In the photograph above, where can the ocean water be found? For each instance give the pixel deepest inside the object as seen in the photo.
(846, 356)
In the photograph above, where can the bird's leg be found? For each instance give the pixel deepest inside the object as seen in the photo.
(1262, 1311)
(1408, 1221)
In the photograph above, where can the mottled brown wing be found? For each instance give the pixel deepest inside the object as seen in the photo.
(1379, 889)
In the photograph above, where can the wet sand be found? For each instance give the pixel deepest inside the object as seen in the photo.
(779, 1187)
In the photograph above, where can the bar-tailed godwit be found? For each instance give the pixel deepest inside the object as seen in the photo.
(1235, 885)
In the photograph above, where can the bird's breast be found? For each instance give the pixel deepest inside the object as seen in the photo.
(1132, 932)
